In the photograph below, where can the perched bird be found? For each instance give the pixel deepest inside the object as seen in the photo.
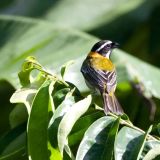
(100, 74)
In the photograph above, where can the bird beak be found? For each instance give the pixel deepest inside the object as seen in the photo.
(115, 45)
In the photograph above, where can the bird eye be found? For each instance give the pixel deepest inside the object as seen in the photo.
(108, 45)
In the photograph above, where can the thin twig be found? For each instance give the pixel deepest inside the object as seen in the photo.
(132, 126)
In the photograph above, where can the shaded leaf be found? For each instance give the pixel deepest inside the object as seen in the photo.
(11, 136)
(38, 123)
(69, 12)
(18, 115)
(18, 154)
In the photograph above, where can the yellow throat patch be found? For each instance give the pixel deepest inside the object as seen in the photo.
(100, 62)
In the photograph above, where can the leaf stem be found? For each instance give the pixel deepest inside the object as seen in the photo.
(132, 126)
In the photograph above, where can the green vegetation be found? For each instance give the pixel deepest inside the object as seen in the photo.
(47, 111)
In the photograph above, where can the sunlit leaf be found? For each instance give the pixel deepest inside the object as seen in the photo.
(129, 144)
(69, 119)
(109, 145)
(153, 154)
(65, 44)
(52, 46)
(64, 67)
(81, 125)
(56, 119)
(93, 142)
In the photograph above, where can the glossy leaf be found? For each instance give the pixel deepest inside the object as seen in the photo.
(109, 146)
(129, 144)
(150, 145)
(153, 154)
(69, 119)
(93, 142)
(81, 125)
(57, 117)
(38, 124)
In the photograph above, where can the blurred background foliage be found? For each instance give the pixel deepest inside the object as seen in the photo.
(42, 28)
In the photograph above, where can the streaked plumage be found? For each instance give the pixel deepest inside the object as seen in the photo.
(100, 74)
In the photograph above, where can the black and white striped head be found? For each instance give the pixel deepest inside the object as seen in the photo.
(104, 47)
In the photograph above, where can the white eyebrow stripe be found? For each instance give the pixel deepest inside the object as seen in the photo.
(108, 42)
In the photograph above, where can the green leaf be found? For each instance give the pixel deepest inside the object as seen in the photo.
(69, 119)
(65, 44)
(150, 145)
(92, 145)
(19, 154)
(109, 146)
(26, 94)
(18, 115)
(57, 117)
(12, 137)
(141, 72)
(129, 144)
(24, 75)
(86, 15)
(38, 123)
(6, 90)
(153, 154)
(81, 125)
(64, 68)
(53, 46)
(16, 144)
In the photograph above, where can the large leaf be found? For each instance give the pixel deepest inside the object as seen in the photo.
(55, 121)
(90, 14)
(81, 125)
(129, 144)
(69, 119)
(57, 117)
(95, 138)
(24, 37)
(79, 14)
(54, 46)
(38, 123)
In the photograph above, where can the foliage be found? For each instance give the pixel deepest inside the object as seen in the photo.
(52, 114)
(60, 119)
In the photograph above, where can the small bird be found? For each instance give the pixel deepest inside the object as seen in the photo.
(100, 74)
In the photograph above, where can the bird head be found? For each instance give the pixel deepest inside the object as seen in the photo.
(104, 47)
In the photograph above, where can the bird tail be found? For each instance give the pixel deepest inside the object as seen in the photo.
(111, 104)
